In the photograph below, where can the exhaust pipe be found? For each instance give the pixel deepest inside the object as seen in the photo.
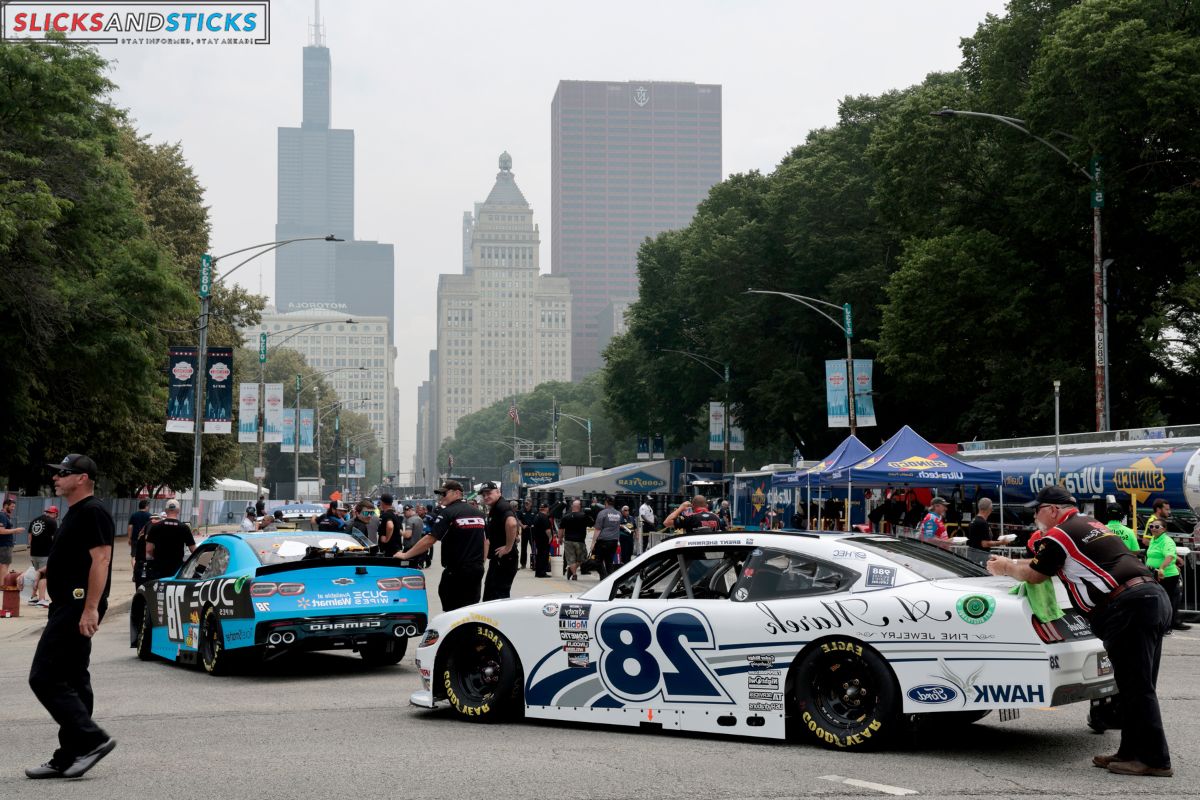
(289, 637)
(411, 630)
(398, 631)
(274, 638)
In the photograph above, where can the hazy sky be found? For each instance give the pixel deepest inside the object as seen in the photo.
(435, 91)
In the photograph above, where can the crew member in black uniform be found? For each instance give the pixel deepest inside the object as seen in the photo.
(391, 527)
(503, 531)
(78, 575)
(1127, 608)
(527, 516)
(542, 529)
(165, 543)
(460, 529)
(701, 520)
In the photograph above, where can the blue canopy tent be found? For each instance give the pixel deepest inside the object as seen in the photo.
(850, 451)
(908, 459)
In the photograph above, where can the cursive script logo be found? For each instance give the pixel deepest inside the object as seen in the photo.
(852, 613)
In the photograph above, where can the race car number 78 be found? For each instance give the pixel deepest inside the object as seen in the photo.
(642, 657)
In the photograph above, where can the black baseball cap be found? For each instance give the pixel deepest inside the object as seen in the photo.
(449, 486)
(487, 487)
(1052, 495)
(408, 507)
(77, 464)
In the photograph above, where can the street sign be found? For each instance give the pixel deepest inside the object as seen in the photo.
(847, 321)
(205, 275)
(260, 472)
(262, 348)
(297, 384)
(1096, 170)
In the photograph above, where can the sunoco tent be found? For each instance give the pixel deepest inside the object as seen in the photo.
(907, 458)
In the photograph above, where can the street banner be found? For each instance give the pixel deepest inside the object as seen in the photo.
(837, 400)
(837, 409)
(864, 400)
(247, 412)
(287, 444)
(658, 447)
(643, 448)
(358, 468)
(273, 412)
(716, 430)
(181, 390)
(218, 391)
(307, 421)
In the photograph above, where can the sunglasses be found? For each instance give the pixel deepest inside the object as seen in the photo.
(1043, 505)
(439, 492)
(63, 473)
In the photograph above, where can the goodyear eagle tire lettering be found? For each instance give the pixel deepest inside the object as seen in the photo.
(846, 696)
(482, 677)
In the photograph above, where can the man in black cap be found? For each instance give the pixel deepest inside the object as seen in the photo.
(165, 542)
(1127, 608)
(460, 528)
(78, 575)
(503, 531)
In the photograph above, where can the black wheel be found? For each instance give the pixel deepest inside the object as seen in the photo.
(143, 637)
(482, 675)
(215, 659)
(384, 654)
(846, 695)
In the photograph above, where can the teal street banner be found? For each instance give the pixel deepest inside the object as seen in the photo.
(716, 429)
(218, 392)
(273, 412)
(288, 429)
(837, 398)
(307, 423)
(643, 448)
(181, 390)
(247, 412)
(658, 448)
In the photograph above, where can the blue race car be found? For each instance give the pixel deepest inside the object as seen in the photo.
(243, 596)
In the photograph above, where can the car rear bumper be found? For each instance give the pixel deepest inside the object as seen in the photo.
(1078, 692)
(346, 631)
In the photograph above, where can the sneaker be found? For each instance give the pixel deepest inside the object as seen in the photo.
(47, 770)
(1183, 626)
(89, 759)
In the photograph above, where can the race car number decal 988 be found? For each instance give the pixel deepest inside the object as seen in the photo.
(642, 658)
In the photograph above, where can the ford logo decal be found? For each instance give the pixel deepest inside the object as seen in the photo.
(932, 693)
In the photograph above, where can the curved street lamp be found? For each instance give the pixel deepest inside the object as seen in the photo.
(208, 269)
(1099, 282)
(711, 365)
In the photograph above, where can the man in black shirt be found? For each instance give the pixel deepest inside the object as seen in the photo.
(41, 537)
(574, 525)
(165, 542)
(979, 533)
(503, 529)
(135, 532)
(460, 528)
(391, 527)
(78, 575)
(701, 520)
(541, 531)
(1127, 608)
(527, 515)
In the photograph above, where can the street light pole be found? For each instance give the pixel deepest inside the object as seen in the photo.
(846, 326)
(296, 427)
(708, 363)
(584, 423)
(1099, 326)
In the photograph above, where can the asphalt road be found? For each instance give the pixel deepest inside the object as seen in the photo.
(326, 726)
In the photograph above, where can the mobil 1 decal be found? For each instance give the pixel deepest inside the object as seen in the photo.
(643, 657)
(573, 621)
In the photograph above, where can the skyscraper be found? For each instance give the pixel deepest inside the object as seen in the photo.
(503, 327)
(316, 198)
(628, 160)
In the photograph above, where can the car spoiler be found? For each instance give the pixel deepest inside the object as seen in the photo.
(343, 560)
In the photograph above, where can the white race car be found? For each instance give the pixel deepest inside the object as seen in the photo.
(841, 638)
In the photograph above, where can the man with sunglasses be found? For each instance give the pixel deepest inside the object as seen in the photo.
(503, 531)
(78, 574)
(460, 529)
(1127, 609)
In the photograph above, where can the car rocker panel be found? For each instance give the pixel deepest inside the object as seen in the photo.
(735, 664)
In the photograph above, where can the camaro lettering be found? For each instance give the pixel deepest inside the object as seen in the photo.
(340, 626)
(1008, 693)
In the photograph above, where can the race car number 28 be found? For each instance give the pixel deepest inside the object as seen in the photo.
(642, 657)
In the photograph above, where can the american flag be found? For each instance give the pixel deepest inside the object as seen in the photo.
(512, 413)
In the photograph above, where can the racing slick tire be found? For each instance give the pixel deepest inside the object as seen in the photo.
(215, 659)
(846, 696)
(143, 634)
(482, 675)
(384, 654)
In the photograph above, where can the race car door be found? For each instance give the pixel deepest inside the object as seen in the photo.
(177, 597)
(657, 642)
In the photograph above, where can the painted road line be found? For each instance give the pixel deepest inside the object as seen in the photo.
(878, 787)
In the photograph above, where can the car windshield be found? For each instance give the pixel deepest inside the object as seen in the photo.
(279, 549)
(928, 561)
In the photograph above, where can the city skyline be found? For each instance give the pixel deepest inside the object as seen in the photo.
(430, 120)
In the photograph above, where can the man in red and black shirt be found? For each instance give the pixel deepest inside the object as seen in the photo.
(1127, 608)
(700, 520)
(459, 526)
